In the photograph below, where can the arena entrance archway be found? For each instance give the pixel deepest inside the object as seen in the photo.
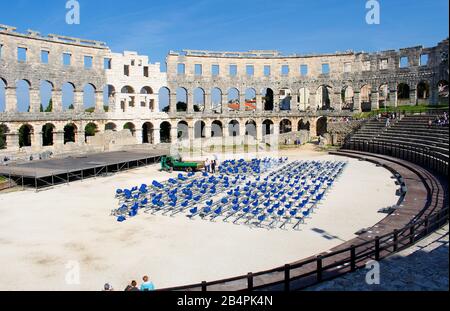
(147, 133)
(322, 126)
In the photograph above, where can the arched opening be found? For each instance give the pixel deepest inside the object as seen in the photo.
(303, 99)
(443, 92)
(110, 127)
(323, 97)
(129, 100)
(182, 99)
(68, 96)
(403, 92)
(25, 133)
(233, 128)
(131, 127)
(216, 98)
(46, 90)
(89, 98)
(384, 95)
(348, 98)
(216, 129)
(183, 130)
(164, 99)
(199, 129)
(127, 90)
(23, 96)
(48, 134)
(147, 133)
(250, 129)
(250, 99)
(164, 132)
(321, 126)
(302, 126)
(267, 127)
(285, 99)
(90, 130)
(3, 131)
(70, 133)
(285, 126)
(233, 99)
(423, 92)
(199, 100)
(109, 93)
(366, 98)
(268, 98)
(146, 90)
(2, 95)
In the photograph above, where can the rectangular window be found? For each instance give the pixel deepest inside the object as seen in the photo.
(126, 70)
(67, 59)
(181, 69)
(366, 65)
(215, 70)
(146, 71)
(22, 55)
(384, 64)
(133, 62)
(88, 60)
(1, 48)
(325, 69)
(304, 70)
(267, 70)
(233, 70)
(285, 70)
(44, 56)
(404, 62)
(107, 63)
(347, 67)
(250, 70)
(424, 60)
(198, 69)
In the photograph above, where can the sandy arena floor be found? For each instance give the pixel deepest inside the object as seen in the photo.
(41, 233)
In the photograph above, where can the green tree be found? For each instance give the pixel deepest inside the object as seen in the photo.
(50, 106)
(90, 129)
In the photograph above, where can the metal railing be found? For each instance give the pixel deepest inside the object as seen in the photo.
(424, 157)
(325, 267)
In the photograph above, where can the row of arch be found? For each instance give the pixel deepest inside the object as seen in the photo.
(216, 98)
(151, 134)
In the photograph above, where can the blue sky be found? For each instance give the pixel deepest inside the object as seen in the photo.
(290, 26)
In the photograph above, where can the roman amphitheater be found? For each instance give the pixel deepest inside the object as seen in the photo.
(75, 109)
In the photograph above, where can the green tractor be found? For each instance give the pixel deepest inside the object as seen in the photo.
(170, 164)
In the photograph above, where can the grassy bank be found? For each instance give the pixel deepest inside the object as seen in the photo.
(401, 109)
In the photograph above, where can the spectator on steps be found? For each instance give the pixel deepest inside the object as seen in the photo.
(108, 288)
(147, 285)
(430, 123)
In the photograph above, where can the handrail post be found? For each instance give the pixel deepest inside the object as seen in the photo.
(395, 240)
(287, 278)
(411, 234)
(204, 286)
(353, 258)
(319, 269)
(377, 248)
(250, 281)
(427, 225)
